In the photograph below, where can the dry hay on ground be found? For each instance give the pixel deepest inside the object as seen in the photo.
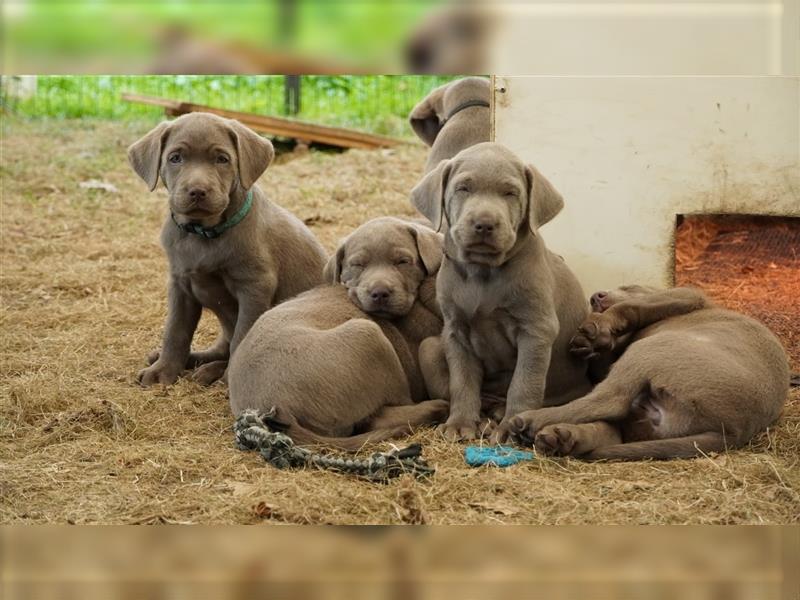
(83, 303)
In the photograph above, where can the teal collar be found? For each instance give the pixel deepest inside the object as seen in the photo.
(218, 230)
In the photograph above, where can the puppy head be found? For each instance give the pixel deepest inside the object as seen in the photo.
(201, 158)
(428, 117)
(453, 39)
(605, 299)
(382, 264)
(487, 198)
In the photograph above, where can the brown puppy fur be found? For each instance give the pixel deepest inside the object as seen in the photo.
(452, 39)
(510, 306)
(340, 362)
(208, 164)
(690, 379)
(467, 127)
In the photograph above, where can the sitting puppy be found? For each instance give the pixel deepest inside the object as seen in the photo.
(230, 249)
(690, 379)
(453, 117)
(510, 306)
(340, 362)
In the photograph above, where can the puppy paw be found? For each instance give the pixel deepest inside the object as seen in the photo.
(210, 372)
(502, 433)
(458, 430)
(595, 336)
(524, 427)
(153, 357)
(158, 372)
(556, 440)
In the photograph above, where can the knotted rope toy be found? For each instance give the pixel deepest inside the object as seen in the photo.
(260, 431)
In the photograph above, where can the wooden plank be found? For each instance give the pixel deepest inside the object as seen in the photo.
(336, 136)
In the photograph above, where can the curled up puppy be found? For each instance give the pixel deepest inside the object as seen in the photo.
(230, 249)
(689, 379)
(340, 363)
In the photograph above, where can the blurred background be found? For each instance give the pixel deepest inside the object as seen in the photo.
(519, 37)
(468, 563)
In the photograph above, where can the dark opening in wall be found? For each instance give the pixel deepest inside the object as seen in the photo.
(746, 263)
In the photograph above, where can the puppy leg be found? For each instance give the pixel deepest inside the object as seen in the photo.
(429, 412)
(252, 304)
(611, 400)
(685, 447)
(433, 364)
(218, 351)
(466, 374)
(601, 333)
(183, 314)
(527, 388)
(566, 439)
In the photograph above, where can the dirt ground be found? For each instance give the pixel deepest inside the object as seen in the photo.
(83, 290)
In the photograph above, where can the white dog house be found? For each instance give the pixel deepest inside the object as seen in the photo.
(629, 154)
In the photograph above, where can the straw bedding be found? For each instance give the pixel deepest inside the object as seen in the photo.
(83, 285)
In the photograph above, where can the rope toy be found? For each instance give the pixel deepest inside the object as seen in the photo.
(261, 432)
(499, 456)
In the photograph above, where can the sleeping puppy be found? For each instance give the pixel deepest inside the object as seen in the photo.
(689, 379)
(230, 249)
(510, 306)
(453, 117)
(340, 362)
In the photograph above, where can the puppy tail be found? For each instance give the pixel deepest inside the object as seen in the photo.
(302, 436)
(684, 447)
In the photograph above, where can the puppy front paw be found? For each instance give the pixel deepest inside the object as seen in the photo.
(458, 430)
(158, 372)
(595, 336)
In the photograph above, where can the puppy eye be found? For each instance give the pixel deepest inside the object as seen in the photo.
(462, 188)
(356, 266)
(403, 261)
(175, 158)
(510, 194)
(223, 160)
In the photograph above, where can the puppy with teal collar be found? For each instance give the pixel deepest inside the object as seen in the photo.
(231, 250)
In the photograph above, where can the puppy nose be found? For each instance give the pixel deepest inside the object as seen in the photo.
(597, 297)
(484, 226)
(380, 294)
(197, 194)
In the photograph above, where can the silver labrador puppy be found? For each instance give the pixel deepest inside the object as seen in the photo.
(340, 363)
(689, 378)
(230, 249)
(510, 306)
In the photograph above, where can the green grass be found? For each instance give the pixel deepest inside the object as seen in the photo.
(375, 103)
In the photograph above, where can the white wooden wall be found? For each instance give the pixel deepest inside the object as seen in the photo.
(630, 153)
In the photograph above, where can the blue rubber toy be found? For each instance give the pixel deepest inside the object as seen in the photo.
(499, 456)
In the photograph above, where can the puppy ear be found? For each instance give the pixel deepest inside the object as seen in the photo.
(424, 117)
(544, 202)
(254, 153)
(429, 247)
(144, 155)
(332, 272)
(428, 195)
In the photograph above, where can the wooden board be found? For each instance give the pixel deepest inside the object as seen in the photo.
(300, 130)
